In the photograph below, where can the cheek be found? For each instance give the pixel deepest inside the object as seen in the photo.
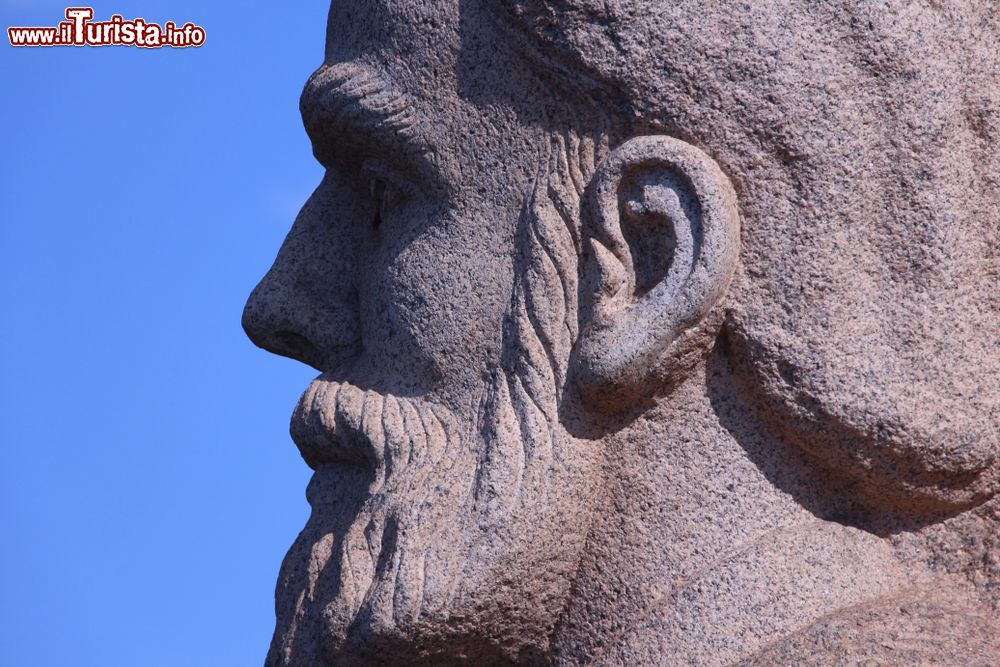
(434, 308)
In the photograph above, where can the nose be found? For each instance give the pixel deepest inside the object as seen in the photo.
(306, 307)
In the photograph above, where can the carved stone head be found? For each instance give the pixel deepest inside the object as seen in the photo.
(608, 296)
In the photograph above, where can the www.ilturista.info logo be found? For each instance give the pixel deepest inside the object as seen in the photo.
(81, 30)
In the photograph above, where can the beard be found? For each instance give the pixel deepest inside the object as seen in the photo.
(375, 564)
(439, 538)
(398, 546)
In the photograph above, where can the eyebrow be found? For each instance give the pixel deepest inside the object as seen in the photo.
(347, 104)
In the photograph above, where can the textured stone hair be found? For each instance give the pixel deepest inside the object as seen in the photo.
(542, 322)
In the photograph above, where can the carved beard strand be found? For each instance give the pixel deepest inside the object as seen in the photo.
(441, 495)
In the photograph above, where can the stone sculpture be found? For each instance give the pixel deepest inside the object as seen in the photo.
(649, 334)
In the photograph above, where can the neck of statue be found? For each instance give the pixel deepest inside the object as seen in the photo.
(705, 552)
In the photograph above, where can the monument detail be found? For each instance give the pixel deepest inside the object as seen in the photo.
(647, 333)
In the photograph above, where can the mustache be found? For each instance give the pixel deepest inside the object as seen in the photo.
(337, 422)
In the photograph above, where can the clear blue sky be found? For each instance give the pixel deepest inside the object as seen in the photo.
(148, 488)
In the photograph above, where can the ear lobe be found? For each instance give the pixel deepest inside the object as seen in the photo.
(663, 240)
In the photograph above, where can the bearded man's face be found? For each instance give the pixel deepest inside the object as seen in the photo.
(410, 281)
(443, 282)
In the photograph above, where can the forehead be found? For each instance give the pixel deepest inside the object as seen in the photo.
(462, 80)
(416, 37)
(409, 47)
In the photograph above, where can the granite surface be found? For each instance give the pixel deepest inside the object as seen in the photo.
(649, 333)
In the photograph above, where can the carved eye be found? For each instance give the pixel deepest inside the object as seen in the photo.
(376, 189)
(386, 189)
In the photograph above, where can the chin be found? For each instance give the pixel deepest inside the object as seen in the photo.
(489, 622)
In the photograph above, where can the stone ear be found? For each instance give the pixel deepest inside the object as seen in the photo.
(663, 239)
